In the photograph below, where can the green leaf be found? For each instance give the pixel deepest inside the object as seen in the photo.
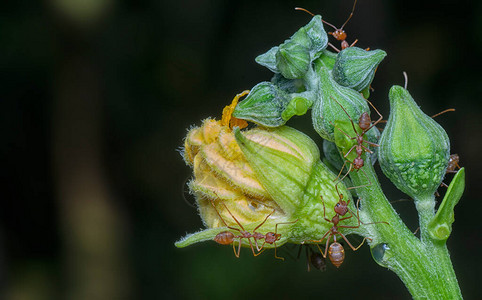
(440, 226)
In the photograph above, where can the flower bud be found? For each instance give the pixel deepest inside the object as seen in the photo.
(293, 57)
(334, 103)
(292, 60)
(270, 106)
(414, 149)
(245, 176)
(264, 105)
(355, 67)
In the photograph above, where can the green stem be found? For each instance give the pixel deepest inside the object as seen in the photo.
(423, 265)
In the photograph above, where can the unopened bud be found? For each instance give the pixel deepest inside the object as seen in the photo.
(414, 149)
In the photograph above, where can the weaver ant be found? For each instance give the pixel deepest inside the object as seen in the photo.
(339, 34)
(227, 237)
(453, 163)
(313, 258)
(365, 123)
(335, 251)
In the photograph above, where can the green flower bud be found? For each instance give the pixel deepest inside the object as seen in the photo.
(263, 105)
(355, 67)
(292, 60)
(414, 149)
(312, 36)
(293, 57)
(332, 97)
(268, 59)
(247, 176)
(270, 106)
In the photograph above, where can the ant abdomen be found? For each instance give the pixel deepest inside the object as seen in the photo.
(336, 253)
(224, 238)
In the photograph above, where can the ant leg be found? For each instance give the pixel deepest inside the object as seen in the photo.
(342, 168)
(351, 149)
(222, 219)
(251, 245)
(334, 48)
(234, 219)
(379, 119)
(320, 240)
(349, 170)
(276, 226)
(324, 214)
(369, 143)
(351, 246)
(261, 250)
(326, 246)
(352, 124)
(360, 186)
(275, 255)
(358, 217)
(353, 44)
(239, 249)
(264, 220)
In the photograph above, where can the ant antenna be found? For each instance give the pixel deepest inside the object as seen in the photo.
(442, 112)
(351, 15)
(406, 79)
(305, 10)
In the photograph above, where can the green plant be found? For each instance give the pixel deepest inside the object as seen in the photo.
(272, 174)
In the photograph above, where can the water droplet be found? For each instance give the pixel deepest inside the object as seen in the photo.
(379, 253)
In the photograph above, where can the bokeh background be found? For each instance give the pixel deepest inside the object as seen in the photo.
(95, 100)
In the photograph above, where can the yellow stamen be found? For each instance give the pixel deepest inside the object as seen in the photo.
(228, 119)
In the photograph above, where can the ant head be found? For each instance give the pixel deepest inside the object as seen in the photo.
(358, 163)
(341, 208)
(272, 237)
(339, 34)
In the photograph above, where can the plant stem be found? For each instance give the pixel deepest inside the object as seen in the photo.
(422, 264)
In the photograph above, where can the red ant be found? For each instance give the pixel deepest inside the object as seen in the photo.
(227, 237)
(453, 163)
(313, 258)
(339, 34)
(453, 167)
(365, 123)
(335, 251)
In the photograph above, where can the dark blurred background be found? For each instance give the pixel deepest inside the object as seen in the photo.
(96, 98)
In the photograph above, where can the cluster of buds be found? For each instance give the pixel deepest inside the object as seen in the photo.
(242, 177)
(248, 182)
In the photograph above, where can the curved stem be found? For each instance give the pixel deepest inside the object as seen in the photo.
(422, 264)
